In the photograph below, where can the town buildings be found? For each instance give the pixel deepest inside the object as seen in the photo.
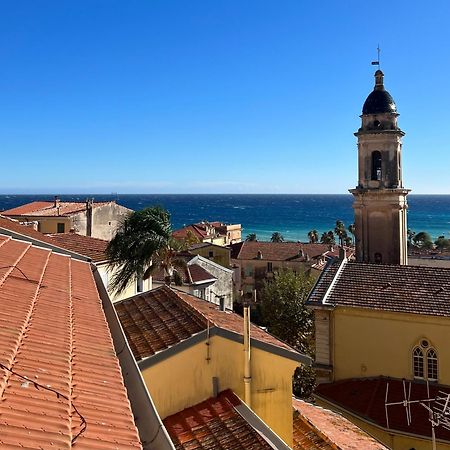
(214, 232)
(89, 218)
(382, 326)
(255, 262)
(205, 279)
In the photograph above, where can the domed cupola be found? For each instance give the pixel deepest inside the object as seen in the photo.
(379, 100)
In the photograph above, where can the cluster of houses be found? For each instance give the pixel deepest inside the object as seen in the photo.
(164, 367)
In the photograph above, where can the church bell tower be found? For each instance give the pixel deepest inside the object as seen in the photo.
(380, 198)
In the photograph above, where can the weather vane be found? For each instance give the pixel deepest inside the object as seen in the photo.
(377, 62)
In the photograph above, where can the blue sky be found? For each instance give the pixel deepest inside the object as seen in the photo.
(223, 96)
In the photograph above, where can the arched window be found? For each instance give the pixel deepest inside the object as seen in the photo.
(376, 166)
(432, 365)
(418, 363)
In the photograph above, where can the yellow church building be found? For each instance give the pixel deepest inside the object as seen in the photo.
(383, 327)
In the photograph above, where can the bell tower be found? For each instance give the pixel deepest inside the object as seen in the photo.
(380, 198)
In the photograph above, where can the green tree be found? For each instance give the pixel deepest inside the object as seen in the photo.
(168, 260)
(340, 232)
(351, 229)
(277, 237)
(251, 237)
(327, 238)
(442, 243)
(138, 237)
(423, 240)
(313, 236)
(284, 313)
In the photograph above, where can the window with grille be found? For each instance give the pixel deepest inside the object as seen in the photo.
(418, 363)
(432, 365)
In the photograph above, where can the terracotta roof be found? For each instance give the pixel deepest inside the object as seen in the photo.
(53, 331)
(47, 209)
(192, 274)
(214, 424)
(366, 398)
(91, 247)
(17, 227)
(197, 231)
(156, 320)
(316, 428)
(280, 251)
(408, 289)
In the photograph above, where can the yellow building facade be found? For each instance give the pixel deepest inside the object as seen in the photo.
(210, 359)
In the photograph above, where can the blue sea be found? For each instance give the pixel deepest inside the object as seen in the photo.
(291, 215)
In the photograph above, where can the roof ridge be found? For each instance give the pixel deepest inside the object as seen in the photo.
(26, 322)
(13, 266)
(335, 279)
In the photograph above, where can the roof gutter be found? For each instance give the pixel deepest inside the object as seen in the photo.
(152, 432)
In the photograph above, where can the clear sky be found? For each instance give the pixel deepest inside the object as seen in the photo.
(222, 96)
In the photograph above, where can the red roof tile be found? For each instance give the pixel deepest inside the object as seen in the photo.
(158, 319)
(46, 209)
(366, 398)
(53, 331)
(407, 289)
(192, 273)
(318, 428)
(214, 425)
(91, 247)
(281, 251)
(16, 227)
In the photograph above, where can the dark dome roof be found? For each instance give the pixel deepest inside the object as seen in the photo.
(379, 101)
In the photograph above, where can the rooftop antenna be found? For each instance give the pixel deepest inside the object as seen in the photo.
(377, 62)
(438, 408)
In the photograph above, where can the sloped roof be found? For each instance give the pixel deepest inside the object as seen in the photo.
(407, 289)
(316, 428)
(91, 247)
(281, 251)
(192, 274)
(48, 209)
(159, 319)
(365, 397)
(88, 246)
(15, 226)
(53, 331)
(196, 229)
(214, 424)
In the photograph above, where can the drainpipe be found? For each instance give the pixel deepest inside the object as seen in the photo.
(247, 368)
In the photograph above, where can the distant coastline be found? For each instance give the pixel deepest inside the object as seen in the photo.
(293, 215)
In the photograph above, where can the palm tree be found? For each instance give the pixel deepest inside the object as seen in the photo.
(313, 236)
(138, 237)
(169, 261)
(411, 234)
(277, 237)
(339, 229)
(251, 237)
(351, 229)
(327, 238)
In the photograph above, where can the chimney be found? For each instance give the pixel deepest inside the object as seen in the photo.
(259, 255)
(57, 201)
(341, 253)
(89, 202)
(222, 303)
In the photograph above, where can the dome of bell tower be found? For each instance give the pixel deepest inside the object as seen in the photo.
(379, 100)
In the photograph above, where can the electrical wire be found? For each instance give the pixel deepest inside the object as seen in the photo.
(37, 385)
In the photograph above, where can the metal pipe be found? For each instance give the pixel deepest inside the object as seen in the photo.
(247, 361)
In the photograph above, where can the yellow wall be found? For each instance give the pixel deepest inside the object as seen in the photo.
(47, 225)
(185, 379)
(369, 343)
(220, 255)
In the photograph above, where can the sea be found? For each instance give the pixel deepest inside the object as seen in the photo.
(291, 215)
